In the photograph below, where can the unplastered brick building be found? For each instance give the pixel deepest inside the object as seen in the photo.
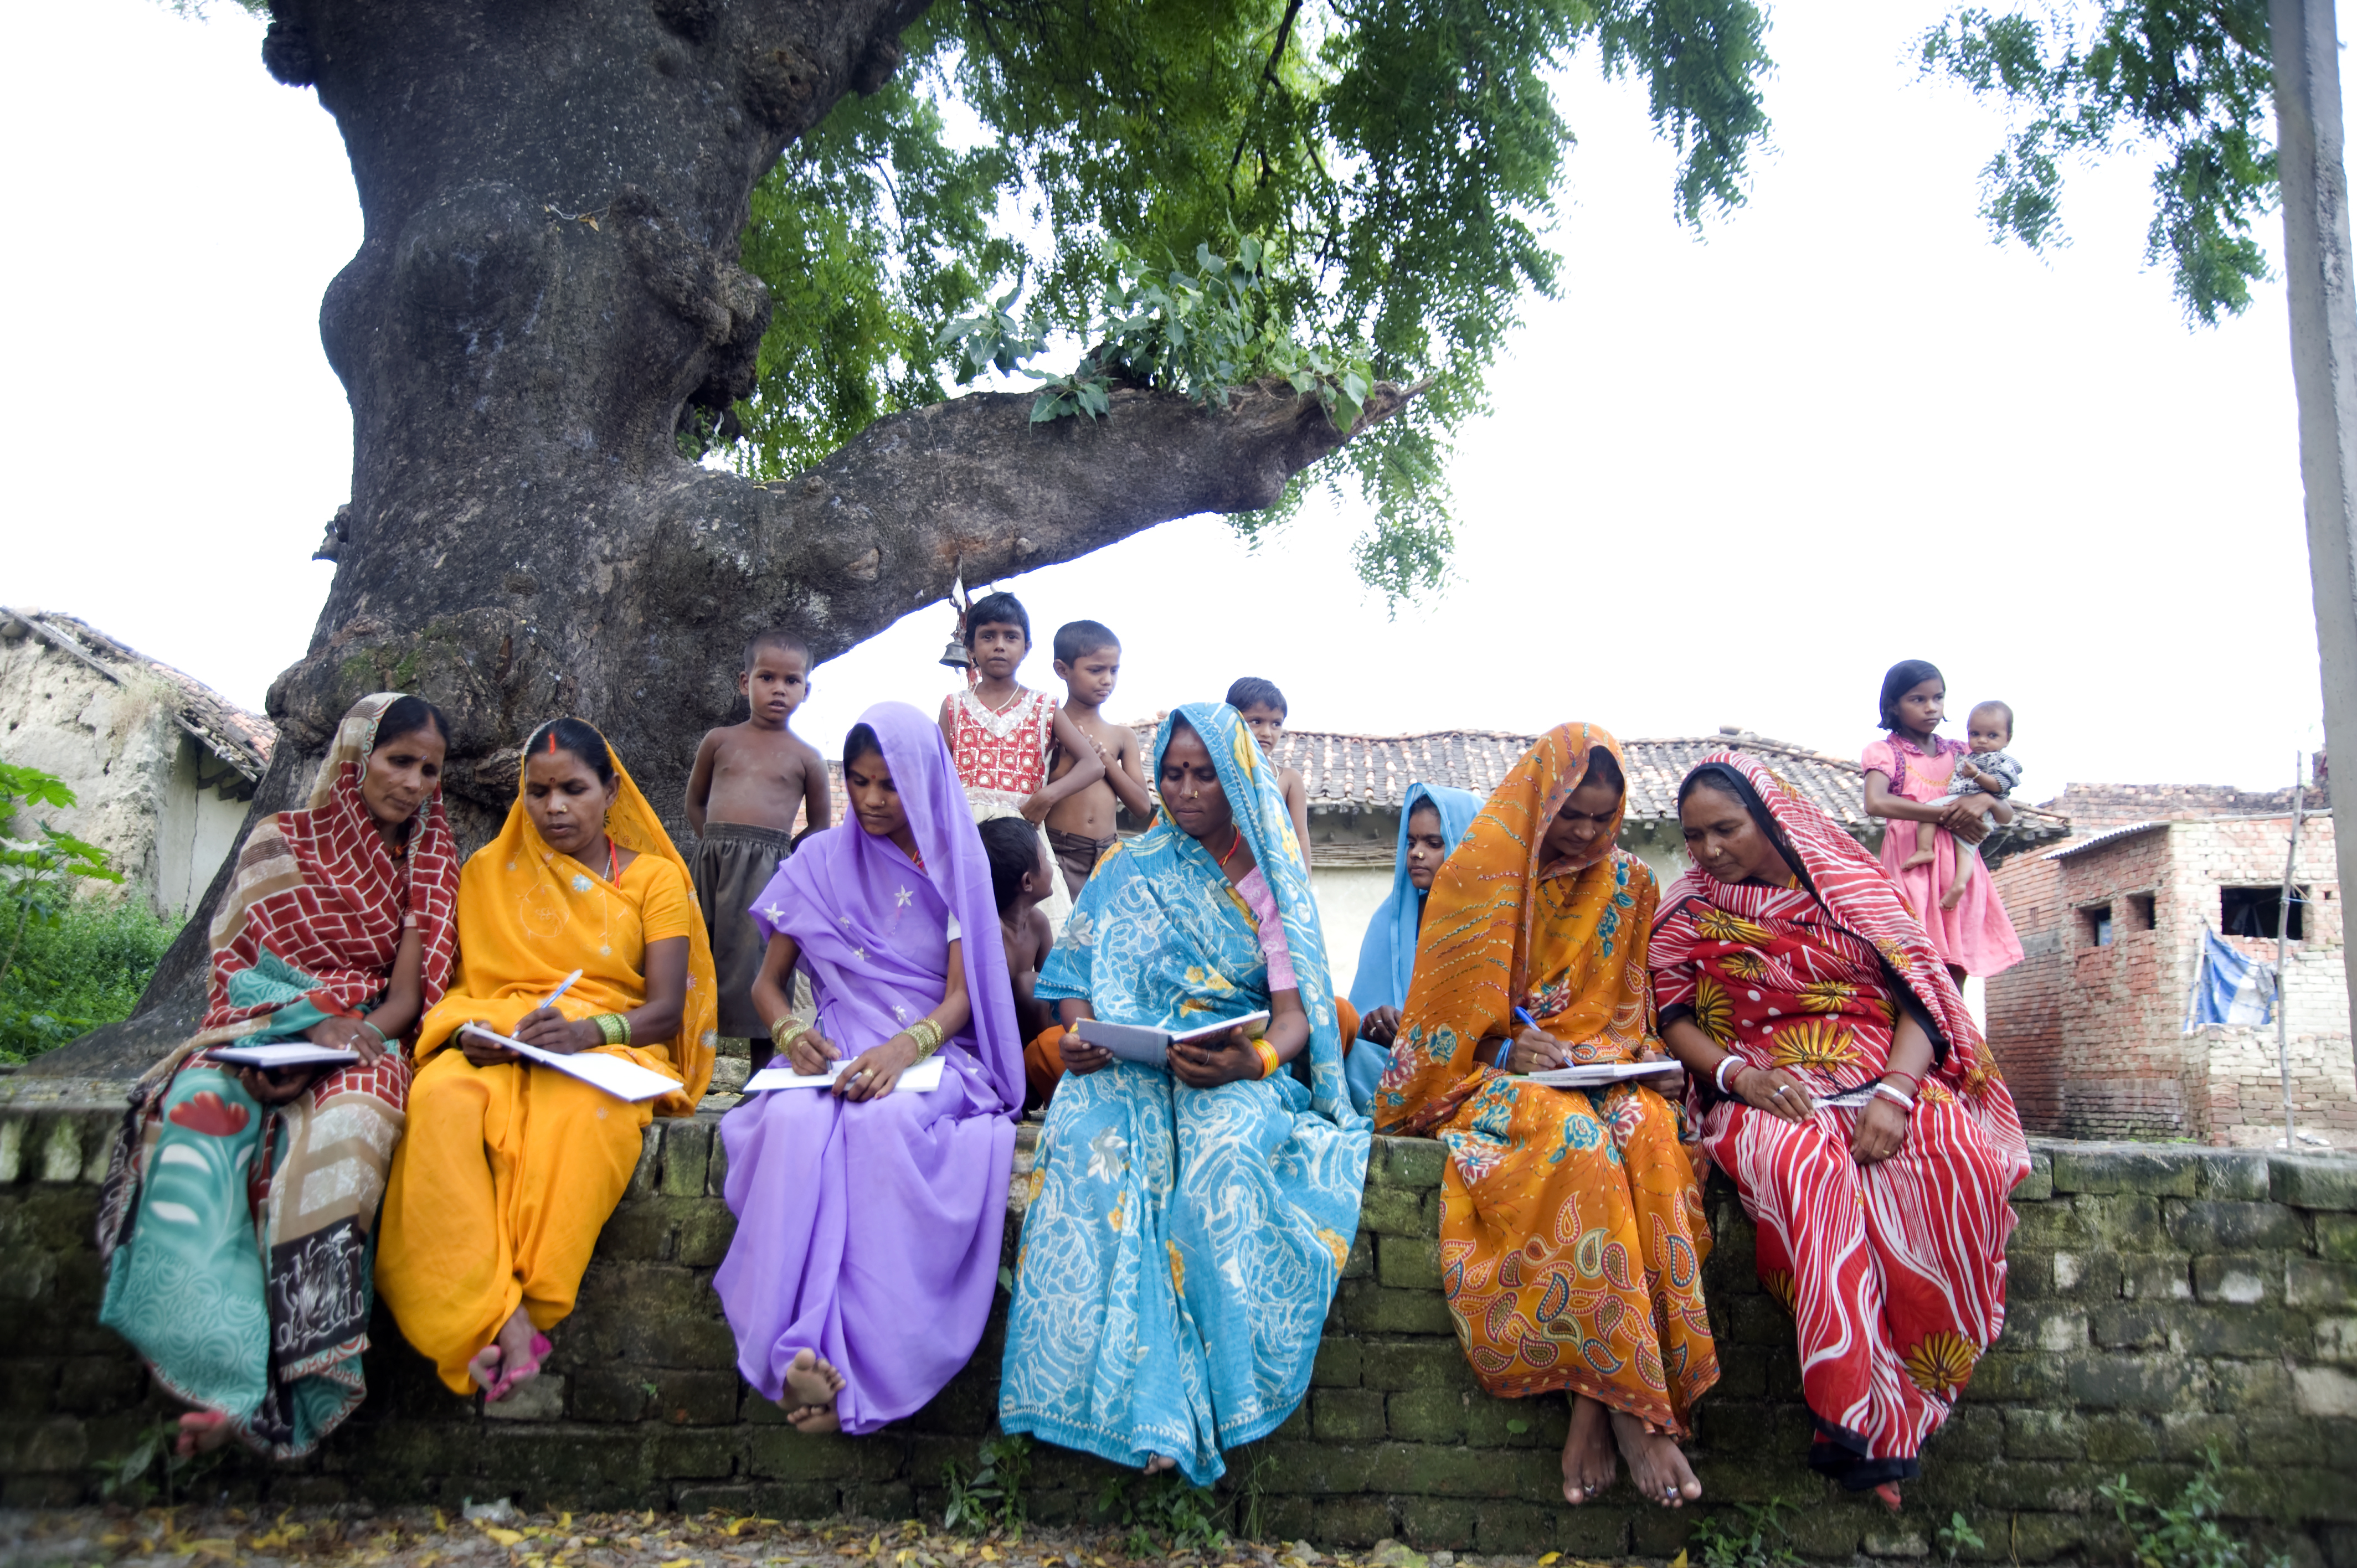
(2090, 1027)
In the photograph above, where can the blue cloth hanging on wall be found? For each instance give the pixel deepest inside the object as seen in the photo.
(2229, 988)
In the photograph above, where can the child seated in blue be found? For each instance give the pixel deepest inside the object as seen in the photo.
(1434, 818)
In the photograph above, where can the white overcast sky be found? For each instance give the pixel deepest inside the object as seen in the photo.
(1729, 481)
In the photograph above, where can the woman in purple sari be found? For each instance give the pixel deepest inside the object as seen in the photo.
(868, 1217)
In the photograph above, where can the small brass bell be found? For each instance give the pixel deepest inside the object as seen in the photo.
(955, 656)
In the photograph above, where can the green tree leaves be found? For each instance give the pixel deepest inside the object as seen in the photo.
(1380, 174)
(2193, 77)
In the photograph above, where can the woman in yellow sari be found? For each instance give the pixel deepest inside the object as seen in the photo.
(510, 1170)
(1572, 1232)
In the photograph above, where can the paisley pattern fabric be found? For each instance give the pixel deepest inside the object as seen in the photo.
(238, 1236)
(1181, 1245)
(1572, 1232)
(1894, 1272)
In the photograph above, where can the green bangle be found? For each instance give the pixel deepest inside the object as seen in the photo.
(612, 1028)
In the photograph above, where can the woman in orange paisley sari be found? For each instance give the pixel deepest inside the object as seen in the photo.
(1572, 1234)
(1846, 1090)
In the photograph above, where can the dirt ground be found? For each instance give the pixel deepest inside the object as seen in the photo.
(191, 1537)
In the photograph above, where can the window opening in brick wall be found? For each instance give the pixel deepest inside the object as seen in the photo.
(2095, 925)
(2252, 912)
(2140, 911)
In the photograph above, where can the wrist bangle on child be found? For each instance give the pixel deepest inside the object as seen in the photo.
(1269, 1064)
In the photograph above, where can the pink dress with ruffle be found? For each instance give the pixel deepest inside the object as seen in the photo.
(1977, 933)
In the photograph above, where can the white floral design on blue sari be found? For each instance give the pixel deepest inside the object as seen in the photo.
(1182, 1245)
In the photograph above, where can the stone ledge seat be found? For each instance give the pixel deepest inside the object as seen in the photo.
(2166, 1300)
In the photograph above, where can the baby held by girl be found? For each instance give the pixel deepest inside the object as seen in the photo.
(1986, 769)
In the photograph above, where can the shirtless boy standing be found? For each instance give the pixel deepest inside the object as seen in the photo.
(750, 780)
(1080, 827)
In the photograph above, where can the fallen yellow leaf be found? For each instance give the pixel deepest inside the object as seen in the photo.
(1679, 1561)
(1550, 1557)
(678, 1562)
(211, 1548)
(504, 1536)
(990, 1555)
(439, 1521)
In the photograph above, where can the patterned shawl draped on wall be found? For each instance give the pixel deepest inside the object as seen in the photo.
(310, 928)
(1572, 1232)
(1181, 1245)
(534, 915)
(1894, 1272)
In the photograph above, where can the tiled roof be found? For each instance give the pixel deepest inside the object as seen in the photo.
(239, 738)
(1358, 772)
(2093, 807)
(1372, 772)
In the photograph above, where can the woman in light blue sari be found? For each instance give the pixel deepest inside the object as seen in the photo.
(1432, 820)
(1188, 1224)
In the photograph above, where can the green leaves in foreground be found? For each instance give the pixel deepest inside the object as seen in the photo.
(1365, 188)
(2193, 79)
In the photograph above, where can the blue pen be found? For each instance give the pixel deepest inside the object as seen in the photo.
(1522, 1018)
(561, 990)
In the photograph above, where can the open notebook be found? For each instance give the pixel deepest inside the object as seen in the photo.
(1594, 1074)
(781, 1074)
(618, 1076)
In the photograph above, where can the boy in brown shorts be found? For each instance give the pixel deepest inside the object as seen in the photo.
(1080, 826)
(750, 780)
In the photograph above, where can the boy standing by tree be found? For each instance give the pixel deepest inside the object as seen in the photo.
(750, 780)
(1262, 707)
(1080, 827)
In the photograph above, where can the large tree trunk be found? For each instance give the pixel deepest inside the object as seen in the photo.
(553, 197)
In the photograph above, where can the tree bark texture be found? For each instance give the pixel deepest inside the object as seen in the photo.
(548, 276)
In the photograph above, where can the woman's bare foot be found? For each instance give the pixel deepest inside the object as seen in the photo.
(484, 1367)
(811, 1386)
(1656, 1468)
(1889, 1493)
(201, 1431)
(1159, 1463)
(1587, 1467)
(521, 1348)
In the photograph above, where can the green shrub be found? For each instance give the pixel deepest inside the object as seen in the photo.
(85, 969)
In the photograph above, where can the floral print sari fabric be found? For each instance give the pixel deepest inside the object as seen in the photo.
(1572, 1232)
(1894, 1272)
(1180, 1246)
(237, 1236)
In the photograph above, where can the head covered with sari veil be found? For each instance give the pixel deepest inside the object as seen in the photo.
(1160, 938)
(1855, 891)
(1475, 957)
(1387, 953)
(314, 914)
(532, 916)
(872, 927)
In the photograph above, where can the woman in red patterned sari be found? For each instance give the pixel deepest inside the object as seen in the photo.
(1849, 1094)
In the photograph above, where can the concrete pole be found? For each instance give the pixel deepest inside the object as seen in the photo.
(2317, 262)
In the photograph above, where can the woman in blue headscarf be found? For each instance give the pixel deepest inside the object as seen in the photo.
(1433, 819)
(1187, 1221)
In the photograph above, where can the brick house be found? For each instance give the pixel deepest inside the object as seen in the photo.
(2090, 1025)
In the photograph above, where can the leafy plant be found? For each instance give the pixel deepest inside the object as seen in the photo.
(1722, 1545)
(152, 1468)
(86, 969)
(1958, 1535)
(1168, 1507)
(993, 1497)
(2186, 1533)
(37, 874)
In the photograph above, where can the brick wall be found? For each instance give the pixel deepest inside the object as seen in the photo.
(2091, 1037)
(2165, 1299)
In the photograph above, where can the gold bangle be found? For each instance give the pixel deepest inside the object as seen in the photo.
(787, 1030)
(927, 1036)
(1269, 1063)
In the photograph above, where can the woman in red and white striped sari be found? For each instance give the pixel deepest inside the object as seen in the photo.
(1789, 974)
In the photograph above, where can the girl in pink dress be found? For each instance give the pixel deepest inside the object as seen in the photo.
(1907, 780)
